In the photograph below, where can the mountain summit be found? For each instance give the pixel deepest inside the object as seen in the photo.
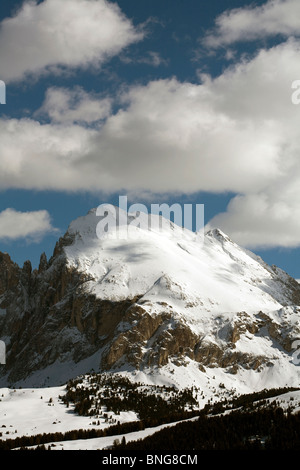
(152, 300)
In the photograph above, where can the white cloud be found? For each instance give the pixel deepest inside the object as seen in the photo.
(168, 136)
(54, 35)
(261, 220)
(238, 132)
(49, 156)
(74, 106)
(255, 22)
(27, 225)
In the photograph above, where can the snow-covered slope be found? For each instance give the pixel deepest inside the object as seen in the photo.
(149, 299)
(194, 274)
(199, 279)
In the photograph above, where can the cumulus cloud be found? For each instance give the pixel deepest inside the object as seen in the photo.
(28, 225)
(275, 17)
(232, 133)
(237, 132)
(262, 220)
(169, 136)
(63, 105)
(54, 35)
(49, 156)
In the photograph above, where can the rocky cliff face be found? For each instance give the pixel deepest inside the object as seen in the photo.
(48, 316)
(70, 311)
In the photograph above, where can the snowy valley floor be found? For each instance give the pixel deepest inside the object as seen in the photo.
(29, 412)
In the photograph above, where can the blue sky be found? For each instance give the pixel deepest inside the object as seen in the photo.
(164, 101)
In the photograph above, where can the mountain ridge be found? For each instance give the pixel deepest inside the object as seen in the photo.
(157, 304)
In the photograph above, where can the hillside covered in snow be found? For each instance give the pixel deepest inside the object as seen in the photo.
(157, 302)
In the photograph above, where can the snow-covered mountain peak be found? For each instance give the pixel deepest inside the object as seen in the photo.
(110, 222)
(213, 271)
(218, 237)
(155, 295)
(125, 234)
(217, 233)
(85, 226)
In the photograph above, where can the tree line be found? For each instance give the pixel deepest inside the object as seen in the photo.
(263, 429)
(91, 394)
